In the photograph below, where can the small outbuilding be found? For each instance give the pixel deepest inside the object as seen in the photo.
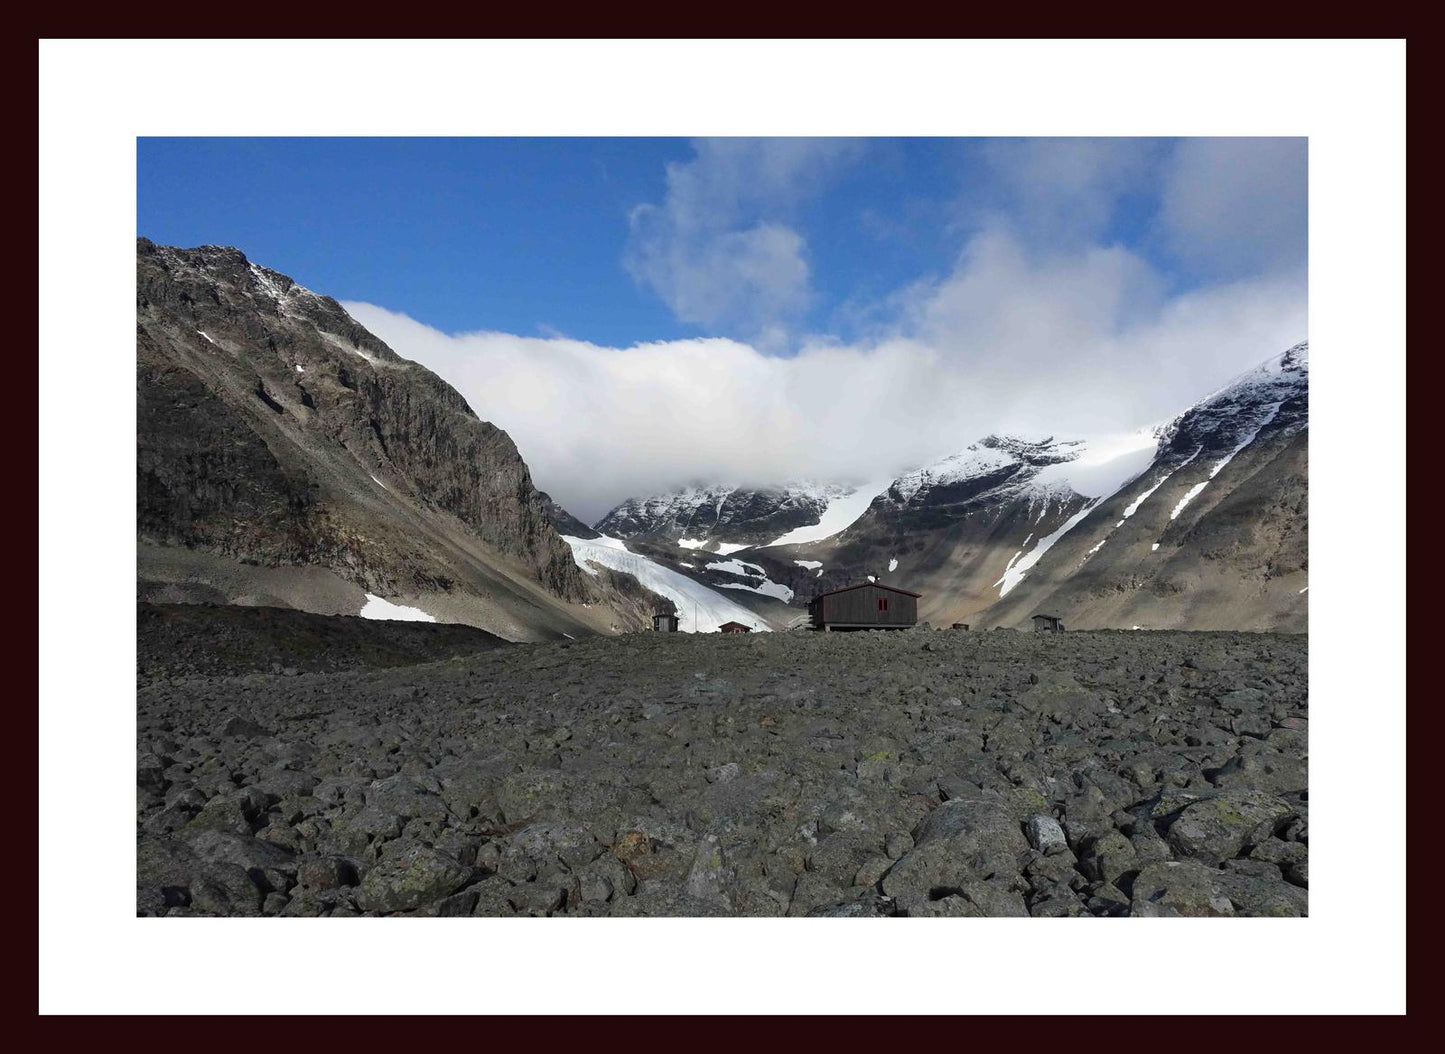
(734, 627)
(960, 625)
(869, 605)
(1048, 624)
(664, 622)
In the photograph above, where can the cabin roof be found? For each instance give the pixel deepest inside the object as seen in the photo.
(865, 585)
(1051, 618)
(740, 625)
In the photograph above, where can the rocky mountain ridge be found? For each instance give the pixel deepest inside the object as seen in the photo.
(726, 514)
(989, 534)
(285, 455)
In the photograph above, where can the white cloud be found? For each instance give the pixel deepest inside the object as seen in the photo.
(1039, 326)
(717, 249)
(1073, 342)
(1237, 206)
(755, 279)
(1062, 191)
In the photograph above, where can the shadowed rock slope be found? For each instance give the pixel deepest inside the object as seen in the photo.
(286, 456)
(186, 640)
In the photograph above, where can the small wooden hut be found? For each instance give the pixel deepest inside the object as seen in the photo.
(869, 605)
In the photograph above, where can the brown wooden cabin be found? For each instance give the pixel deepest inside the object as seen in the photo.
(664, 622)
(1048, 624)
(870, 605)
(734, 627)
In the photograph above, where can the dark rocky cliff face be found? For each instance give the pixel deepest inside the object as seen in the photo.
(262, 410)
(205, 478)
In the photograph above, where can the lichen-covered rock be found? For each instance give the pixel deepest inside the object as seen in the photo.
(1179, 888)
(963, 841)
(320, 872)
(1110, 857)
(409, 877)
(1222, 826)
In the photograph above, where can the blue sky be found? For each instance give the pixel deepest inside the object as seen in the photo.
(527, 236)
(740, 292)
(531, 236)
(518, 234)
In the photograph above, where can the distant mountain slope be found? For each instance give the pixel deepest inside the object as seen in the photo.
(287, 456)
(1199, 523)
(1215, 535)
(949, 529)
(563, 521)
(721, 517)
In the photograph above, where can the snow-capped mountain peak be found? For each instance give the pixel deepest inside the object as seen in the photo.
(978, 460)
(1276, 392)
(722, 516)
(1001, 467)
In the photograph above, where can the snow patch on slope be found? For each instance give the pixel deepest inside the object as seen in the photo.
(699, 609)
(1189, 495)
(767, 588)
(1133, 506)
(377, 608)
(1249, 438)
(1104, 464)
(1015, 572)
(722, 548)
(842, 512)
(737, 567)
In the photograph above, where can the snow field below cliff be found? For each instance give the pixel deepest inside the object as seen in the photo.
(699, 608)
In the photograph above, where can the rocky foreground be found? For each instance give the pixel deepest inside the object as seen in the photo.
(919, 773)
